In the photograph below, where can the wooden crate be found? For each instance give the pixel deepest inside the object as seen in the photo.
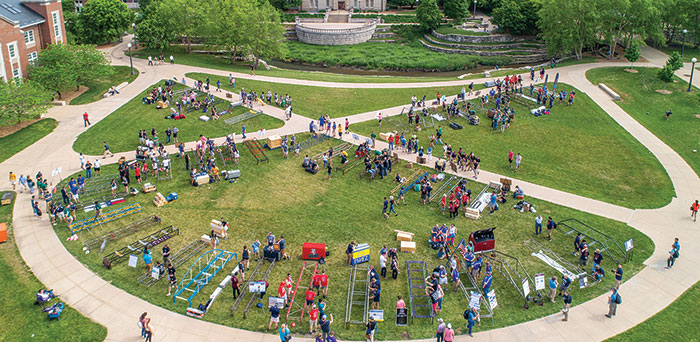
(148, 187)
(472, 214)
(408, 246)
(403, 236)
(159, 200)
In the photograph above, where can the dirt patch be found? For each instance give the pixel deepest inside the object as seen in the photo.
(634, 71)
(7, 130)
(663, 91)
(70, 95)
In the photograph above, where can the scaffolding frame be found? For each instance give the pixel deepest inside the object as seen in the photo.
(201, 272)
(121, 232)
(608, 244)
(357, 297)
(252, 298)
(418, 283)
(512, 270)
(177, 260)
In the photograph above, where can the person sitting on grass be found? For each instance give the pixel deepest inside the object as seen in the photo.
(518, 193)
(598, 274)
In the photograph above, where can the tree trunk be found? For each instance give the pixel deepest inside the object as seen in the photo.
(189, 44)
(59, 94)
(612, 47)
(257, 61)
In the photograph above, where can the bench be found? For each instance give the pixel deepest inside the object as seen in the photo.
(609, 91)
(118, 88)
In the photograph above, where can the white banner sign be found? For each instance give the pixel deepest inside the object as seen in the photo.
(492, 299)
(526, 287)
(377, 314)
(629, 244)
(475, 300)
(539, 281)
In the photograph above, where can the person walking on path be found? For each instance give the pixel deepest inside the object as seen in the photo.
(538, 225)
(694, 210)
(285, 334)
(326, 326)
(86, 121)
(371, 328)
(13, 180)
(107, 151)
(673, 255)
(618, 276)
(472, 317)
(613, 301)
(440, 330)
(449, 333)
(567, 305)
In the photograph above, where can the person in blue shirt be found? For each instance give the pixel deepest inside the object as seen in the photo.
(552, 289)
(283, 244)
(613, 301)
(618, 276)
(476, 267)
(148, 259)
(486, 284)
(565, 282)
(74, 194)
(492, 202)
(243, 131)
(311, 127)
(598, 274)
(81, 182)
(472, 318)
(597, 259)
(677, 245)
(284, 332)
(270, 239)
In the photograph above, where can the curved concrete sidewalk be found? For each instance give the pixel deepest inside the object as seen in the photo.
(645, 294)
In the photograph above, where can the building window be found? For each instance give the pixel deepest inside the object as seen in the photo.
(55, 18)
(12, 50)
(16, 74)
(29, 37)
(32, 57)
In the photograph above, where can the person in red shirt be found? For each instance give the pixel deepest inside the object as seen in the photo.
(310, 294)
(316, 283)
(86, 122)
(324, 283)
(137, 173)
(282, 292)
(313, 319)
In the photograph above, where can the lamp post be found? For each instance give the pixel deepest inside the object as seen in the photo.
(133, 29)
(475, 9)
(690, 84)
(130, 60)
(683, 43)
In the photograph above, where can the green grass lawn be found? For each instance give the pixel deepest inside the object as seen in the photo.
(120, 129)
(21, 320)
(678, 320)
(311, 101)
(578, 149)
(211, 61)
(17, 141)
(281, 197)
(97, 88)
(644, 104)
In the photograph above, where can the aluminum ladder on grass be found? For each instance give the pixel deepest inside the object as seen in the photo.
(554, 260)
(358, 294)
(409, 179)
(177, 260)
(244, 286)
(447, 187)
(416, 274)
(336, 150)
(239, 118)
(255, 295)
(406, 189)
(313, 141)
(105, 217)
(594, 236)
(511, 269)
(121, 232)
(201, 273)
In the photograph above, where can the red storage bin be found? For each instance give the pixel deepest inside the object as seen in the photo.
(483, 240)
(313, 251)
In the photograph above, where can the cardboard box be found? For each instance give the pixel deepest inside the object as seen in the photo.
(408, 246)
(403, 236)
(274, 142)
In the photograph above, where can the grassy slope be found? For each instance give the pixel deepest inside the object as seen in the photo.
(680, 320)
(122, 126)
(644, 104)
(689, 53)
(578, 149)
(282, 198)
(21, 320)
(15, 142)
(97, 88)
(211, 61)
(312, 101)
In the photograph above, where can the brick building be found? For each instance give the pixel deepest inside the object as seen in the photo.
(361, 5)
(26, 27)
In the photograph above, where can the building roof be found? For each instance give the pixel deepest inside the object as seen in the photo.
(15, 13)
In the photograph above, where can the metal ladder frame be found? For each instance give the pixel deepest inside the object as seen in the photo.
(411, 286)
(234, 307)
(252, 298)
(507, 271)
(352, 294)
(300, 308)
(179, 258)
(484, 301)
(203, 276)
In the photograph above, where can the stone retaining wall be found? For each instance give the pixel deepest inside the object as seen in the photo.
(318, 36)
(457, 38)
(516, 46)
(518, 58)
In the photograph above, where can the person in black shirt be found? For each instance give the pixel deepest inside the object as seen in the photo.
(171, 277)
(567, 305)
(166, 255)
(348, 252)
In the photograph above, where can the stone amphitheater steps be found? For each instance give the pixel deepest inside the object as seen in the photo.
(520, 46)
(530, 57)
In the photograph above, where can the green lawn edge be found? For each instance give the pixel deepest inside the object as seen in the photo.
(18, 141)
(97, 88)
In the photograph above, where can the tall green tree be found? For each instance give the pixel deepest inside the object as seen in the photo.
(285, 5)
(517, 17)
(186, 18)
(22, 101)
(621, 20)
(633, 53)
(457, 10)
(266, 35)
(428, 15)
(102, 21)
(568, 26)
(63, 66)
(153, 29)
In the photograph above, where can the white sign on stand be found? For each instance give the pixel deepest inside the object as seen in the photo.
(377, 314)
(629, 244)
(475, 300)
(539, 281)
(526, 287)
(256, 287)
(133, 260)
(492, 299)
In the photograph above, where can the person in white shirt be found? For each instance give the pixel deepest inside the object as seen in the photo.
(382, 264)
(96, 166)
